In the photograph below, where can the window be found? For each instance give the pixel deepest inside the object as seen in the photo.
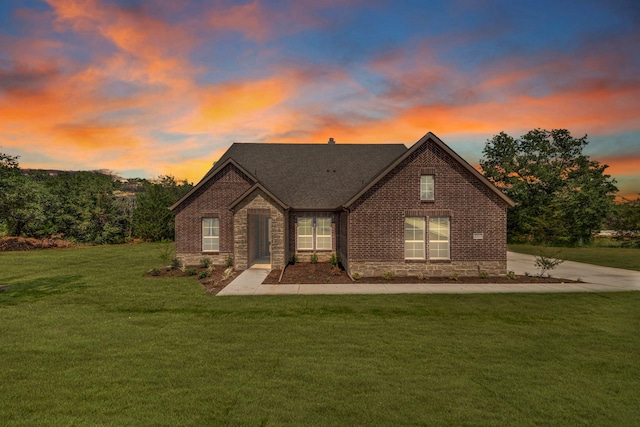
(314, 238)
(210, 234)
(427, 187)
(323, 234)
(305, 233)
(439, 238)
(414, 238)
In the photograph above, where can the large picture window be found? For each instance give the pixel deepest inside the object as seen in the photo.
(414, 228)
(314, 236)
(427, 186)
(210, 234)
(439, 238)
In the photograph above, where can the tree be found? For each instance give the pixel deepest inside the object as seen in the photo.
(562, 195)
(152, 219)
(625, 220)
(20, 197)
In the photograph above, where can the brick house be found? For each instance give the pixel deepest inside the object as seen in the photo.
(378, 207)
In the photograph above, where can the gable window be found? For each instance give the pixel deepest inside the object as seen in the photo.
(323, 233)
(439, 238)
(210, 234)
(414, 228)
(427, 187)
(314, 233)
(305, 233)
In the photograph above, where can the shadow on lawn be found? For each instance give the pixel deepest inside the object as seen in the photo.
(29, 290)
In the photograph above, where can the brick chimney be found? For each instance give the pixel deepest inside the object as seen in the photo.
(332, 141)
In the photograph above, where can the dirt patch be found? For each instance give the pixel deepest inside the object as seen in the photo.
(28, 243)
(213, 279)
(307, 273)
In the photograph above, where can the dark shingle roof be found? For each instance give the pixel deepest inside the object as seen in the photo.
(313, 176)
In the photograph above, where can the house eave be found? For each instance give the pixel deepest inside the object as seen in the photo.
(208, 176)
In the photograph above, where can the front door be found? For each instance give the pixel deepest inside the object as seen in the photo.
(259, 239)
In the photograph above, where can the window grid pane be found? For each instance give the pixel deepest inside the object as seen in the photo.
(439, 238)
(414, 247)
(305, 233)
(210, 234)
(323, 234)
(427, 187)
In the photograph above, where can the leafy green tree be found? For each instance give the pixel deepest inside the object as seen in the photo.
(20, 198)
(625, 220)
(562, 195)
(152, 219)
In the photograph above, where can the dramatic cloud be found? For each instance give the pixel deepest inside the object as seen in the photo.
(163, 87)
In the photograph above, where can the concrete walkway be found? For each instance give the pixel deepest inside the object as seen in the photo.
(594, 279)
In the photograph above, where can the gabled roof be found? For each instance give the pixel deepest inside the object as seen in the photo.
(321, 176)
(444, 147)
(308, 176)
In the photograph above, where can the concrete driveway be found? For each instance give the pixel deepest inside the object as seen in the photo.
(593, 279)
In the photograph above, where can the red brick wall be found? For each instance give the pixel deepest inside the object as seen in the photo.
(212, 199)
(376, 221)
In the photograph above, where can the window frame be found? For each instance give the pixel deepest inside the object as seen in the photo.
(436, 226)
(306, 236)
(212, 239)
(415, 242)
(319, 236)
(314, 237)
(424, 187)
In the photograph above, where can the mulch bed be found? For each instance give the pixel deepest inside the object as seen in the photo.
(321, 273)
(28, 244)
(213, 283)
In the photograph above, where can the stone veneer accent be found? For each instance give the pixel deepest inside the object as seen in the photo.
(258, 200)
(440, 269)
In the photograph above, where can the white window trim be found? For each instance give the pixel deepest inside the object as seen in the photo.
(314, 234)
(447, 241)
(213, 239)
(298, 235)
(424, 187)
(316, 229)
(415, 241)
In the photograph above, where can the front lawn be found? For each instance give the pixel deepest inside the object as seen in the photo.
(627, 258)
(86, 339)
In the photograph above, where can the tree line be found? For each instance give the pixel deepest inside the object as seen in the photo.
(85, 207)
(562, 197)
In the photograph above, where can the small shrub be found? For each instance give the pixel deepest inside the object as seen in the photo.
(203, 275)
(511, 275)
(175, 263)
(312, 277)
(546, 263)
(191, 271)
(388, 275)
(356, 276)
(228, 262)
(155, 271)
(205, 262)
(167, 253)
(454, 276)
(227, 273)
(334, 260)
(484, 275)
(314, 259)
(421, 276)
(294, 259)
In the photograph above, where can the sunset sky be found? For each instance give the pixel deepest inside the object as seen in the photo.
(157, 87)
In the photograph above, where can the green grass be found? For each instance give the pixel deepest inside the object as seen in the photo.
(85, 339)
(627, 258)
